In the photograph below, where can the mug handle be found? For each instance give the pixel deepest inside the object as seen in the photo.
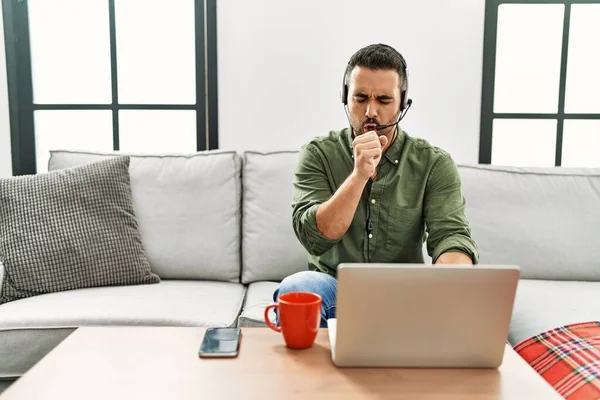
(268, 321)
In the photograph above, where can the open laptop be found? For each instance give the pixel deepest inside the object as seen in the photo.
(431, 316)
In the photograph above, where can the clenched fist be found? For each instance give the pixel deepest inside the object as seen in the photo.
(367, 153)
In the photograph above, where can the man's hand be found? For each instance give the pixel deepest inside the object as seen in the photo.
(454, 257)
(367, 153)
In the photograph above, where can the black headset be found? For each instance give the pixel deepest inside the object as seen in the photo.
(406, 102)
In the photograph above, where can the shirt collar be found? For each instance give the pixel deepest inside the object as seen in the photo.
(395, 150)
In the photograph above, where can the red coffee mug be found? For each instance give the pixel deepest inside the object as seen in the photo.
(299, 318)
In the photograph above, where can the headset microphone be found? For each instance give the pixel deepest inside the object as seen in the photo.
(402, 114)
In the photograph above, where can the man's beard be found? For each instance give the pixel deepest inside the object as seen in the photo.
(369, 124)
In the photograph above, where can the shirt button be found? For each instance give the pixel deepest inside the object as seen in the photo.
(370, 235)
(396, 161)
(373, 201)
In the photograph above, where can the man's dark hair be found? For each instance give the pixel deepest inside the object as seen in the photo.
(376, 57)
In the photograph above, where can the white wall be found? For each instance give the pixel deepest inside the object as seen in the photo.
(5, 153)
(281, 65)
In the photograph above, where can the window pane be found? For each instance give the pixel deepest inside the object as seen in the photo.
(70, 51)
(157, 131)
(524, 142)
(528, 53)
(581, 143)
(583, 79)
(71, 130)
(156, 51)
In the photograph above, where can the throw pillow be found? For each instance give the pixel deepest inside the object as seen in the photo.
(70, 229)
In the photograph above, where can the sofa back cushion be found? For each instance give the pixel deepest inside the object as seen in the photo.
(188, 209)
(546, 220)
(270, 248)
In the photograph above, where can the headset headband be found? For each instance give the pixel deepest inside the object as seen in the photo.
(403, 93)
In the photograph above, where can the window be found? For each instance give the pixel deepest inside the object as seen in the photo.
(540, 103)
(102, 75)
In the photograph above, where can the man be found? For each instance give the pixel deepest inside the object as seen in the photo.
(364, 194)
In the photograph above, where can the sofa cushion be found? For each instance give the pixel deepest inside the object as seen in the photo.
(70, 229)
(543, 219)
(188, 208)
(258, 296)
(543, 305)
(31, 327)
(270, 248)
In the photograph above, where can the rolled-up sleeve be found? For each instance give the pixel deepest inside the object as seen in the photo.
(444, 211)
(311, 189)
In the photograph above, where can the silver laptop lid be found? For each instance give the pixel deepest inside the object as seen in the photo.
(407, 315)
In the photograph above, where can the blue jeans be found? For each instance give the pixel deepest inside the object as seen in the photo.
(314, 282)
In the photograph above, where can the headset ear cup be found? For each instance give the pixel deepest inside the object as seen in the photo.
(403, 101)
(405, 91)
(344, 91)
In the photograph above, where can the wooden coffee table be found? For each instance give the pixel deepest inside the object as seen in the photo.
(163, 363)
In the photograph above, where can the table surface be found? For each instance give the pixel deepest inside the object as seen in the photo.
(163, 363)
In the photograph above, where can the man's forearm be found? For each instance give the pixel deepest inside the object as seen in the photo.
(454, 257)
(335, 215)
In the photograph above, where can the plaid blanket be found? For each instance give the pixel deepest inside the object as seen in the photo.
(568, 358)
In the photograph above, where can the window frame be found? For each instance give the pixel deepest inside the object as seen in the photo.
(488, 78)
(20, 84)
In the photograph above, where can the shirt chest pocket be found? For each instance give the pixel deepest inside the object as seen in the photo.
(404, 227)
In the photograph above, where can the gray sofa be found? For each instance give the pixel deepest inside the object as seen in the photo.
(217, 229)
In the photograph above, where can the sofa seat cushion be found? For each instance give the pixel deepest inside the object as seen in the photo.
(544, 305)
(31, 327)
(258, 297)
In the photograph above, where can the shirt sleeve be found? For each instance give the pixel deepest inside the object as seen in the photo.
(444, 210)
(311, 189)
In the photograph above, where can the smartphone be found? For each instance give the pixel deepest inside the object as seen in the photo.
(220, 342)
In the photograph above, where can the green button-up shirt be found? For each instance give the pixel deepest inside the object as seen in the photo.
(416, 197)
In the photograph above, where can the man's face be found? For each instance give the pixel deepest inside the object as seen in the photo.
(373, 99)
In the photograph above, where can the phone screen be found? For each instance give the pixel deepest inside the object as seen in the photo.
(220, 342)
